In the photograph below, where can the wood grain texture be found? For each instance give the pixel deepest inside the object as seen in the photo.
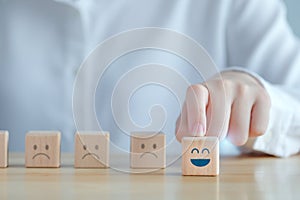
(91, 150)
(241, 177)
(4, 149)
(148, 150)
(42, 149)
(200, 156)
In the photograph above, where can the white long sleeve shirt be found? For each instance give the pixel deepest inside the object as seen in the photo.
(42, 44)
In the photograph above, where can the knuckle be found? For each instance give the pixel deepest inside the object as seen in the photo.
(227, 83)
(221, 83)
(193, 90)
(243, 89)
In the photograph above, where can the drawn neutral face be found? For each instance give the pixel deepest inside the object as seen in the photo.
(200, 158)
(147, 151)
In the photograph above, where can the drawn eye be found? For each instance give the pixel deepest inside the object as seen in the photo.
(35, 147)
(47, 147)
(143, 146)
(205, 149)
(96, 147)
(84, 147)
(154, 146)
(195, 149)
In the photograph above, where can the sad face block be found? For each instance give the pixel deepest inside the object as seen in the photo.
(3, 149)
(42, 149)
(91, 150)
(148, 150)
(200, 156)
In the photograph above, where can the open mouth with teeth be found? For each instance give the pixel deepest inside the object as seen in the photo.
(41, 154)
(90, 154)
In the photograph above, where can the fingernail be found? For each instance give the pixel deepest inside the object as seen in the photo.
(198, 129)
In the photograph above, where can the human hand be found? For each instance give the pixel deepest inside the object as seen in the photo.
(233, 105)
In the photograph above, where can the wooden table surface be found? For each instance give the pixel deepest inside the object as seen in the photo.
(242, 177)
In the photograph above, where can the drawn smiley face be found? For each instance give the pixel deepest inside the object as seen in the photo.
(200, 162)
(38, 151)
(200, 156)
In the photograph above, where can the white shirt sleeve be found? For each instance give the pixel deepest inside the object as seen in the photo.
(261, 42)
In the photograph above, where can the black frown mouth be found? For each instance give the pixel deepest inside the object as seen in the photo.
(90, 154)
(150, 153)
(41, 154)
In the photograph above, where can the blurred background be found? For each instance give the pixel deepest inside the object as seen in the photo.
(58, 114)
(293, 7)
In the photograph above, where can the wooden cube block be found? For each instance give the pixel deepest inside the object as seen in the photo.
(91, 150)
(148, 150)
(3, 149)
(42, 149)
(200, 156)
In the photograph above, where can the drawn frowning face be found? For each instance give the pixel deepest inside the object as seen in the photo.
(91, 149)
(148, 150)
(42, 149)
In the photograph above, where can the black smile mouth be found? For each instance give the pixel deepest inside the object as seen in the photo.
(150, 153)
(41, 154)
(90, 154)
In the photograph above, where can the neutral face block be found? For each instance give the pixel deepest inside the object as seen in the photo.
(42, 149)
(91, 150)
(200, 156)
(148, 150)
(3, 149)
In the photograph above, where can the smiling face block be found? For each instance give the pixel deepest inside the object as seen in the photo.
(3, 148)
(42, 149)
(200, 156)
(148, 150)
(91, 150)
